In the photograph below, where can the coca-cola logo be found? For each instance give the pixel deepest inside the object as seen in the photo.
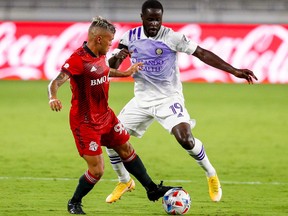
(261, 48)
(37, 57)
(264, 50)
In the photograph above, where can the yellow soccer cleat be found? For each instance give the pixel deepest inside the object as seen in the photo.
(215, 190)
(120, 189)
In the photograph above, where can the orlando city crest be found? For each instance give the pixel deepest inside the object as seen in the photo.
(159, 51)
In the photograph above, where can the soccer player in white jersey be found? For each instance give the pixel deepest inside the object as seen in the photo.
(158, 91)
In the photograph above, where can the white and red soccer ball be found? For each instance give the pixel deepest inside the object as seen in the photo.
(176, 201)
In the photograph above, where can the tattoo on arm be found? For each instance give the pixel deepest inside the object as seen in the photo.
(61, 78)
(56, 83)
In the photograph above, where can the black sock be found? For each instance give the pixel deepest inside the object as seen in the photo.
(82, 189)
(137, 169)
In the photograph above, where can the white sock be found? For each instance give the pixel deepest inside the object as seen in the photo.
(118, 166)
(198, 153)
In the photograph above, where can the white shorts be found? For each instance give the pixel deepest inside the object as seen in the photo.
(137, 119)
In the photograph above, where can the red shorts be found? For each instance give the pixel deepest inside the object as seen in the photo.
(89, 138)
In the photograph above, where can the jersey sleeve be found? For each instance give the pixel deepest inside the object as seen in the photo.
(73, 66)
(124, 41)
(180, 43)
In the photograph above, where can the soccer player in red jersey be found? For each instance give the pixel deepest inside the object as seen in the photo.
(92, 121)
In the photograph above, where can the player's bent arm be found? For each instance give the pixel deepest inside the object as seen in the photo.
(115, 62)
(54, 102)
(119, 55)
(213, 60)
(112, 62)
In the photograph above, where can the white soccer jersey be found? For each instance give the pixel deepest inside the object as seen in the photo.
(159, 78)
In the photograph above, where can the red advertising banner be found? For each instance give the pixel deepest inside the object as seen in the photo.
(36, 50)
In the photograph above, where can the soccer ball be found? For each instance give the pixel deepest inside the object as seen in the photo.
(176, 201)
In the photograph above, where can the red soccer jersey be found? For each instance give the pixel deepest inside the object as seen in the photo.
(89, 85)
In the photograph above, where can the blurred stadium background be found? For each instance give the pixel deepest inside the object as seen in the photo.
(246, 33)
(244, 127)
(219, 11)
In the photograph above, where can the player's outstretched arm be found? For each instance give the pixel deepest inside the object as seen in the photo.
(213, 60)
(54, 103)
(132, 69)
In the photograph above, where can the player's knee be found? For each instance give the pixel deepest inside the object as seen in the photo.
(97, 171)
(187, 142)
(183, 135)
(125, 150)
(99, 174)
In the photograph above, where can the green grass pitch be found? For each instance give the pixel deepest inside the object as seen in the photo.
(244, 129)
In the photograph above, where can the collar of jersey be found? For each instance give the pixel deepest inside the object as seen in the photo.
(87, 49)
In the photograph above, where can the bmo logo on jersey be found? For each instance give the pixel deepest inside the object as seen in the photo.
(99, 81)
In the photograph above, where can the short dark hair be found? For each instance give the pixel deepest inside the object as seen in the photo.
(152, 4)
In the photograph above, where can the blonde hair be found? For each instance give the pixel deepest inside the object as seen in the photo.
(100, 22)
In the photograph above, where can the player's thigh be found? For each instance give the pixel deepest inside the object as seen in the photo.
(88, 141)
(116, 136)
(136, 119)
(172, 113)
